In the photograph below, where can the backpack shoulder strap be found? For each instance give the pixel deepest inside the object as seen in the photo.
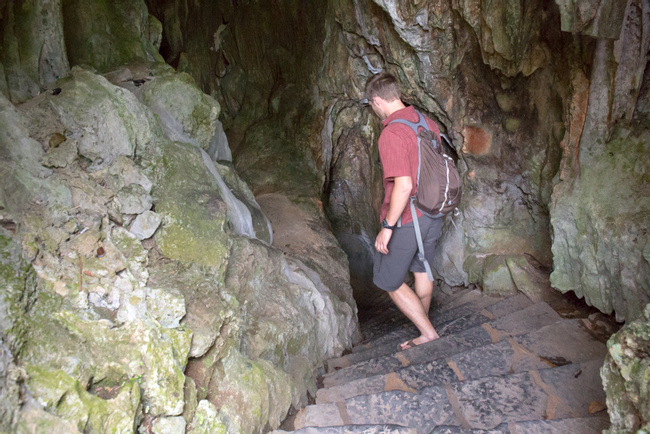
(415, 126)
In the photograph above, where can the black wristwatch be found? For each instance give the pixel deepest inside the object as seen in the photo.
(384, 224)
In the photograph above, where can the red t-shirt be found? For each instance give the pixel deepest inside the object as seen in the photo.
(398, 151)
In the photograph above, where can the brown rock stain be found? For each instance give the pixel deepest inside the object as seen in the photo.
(454, 367)
(393, 382)
(402, 359)
(477, 141)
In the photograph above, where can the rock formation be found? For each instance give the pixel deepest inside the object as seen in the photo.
(546, 102)
(139, 284)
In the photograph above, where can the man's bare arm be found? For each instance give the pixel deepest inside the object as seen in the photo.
(399, 198)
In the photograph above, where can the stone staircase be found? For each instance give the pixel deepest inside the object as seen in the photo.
(501, 365)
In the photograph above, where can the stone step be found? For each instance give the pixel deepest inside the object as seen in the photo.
(584, 425)
(388, 317)
(561, 343)
(354, 429)
(446, 322)
(516, 323)
(569, 391)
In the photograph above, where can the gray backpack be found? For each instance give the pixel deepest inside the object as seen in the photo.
(438, 186)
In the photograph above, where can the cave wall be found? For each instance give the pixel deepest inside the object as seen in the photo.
(544, 102)
(139, 288)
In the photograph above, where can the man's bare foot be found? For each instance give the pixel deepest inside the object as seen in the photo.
(417, 341)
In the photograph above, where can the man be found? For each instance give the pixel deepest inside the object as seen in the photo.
(397, 246)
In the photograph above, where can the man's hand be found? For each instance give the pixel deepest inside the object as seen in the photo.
(381, 243)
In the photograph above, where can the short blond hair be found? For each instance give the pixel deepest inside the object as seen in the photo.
(383, 85)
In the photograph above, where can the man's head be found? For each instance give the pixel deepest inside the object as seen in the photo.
(383, 93)
(383, 85)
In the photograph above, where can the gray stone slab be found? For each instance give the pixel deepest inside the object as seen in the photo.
(454, 324)
(509, 305)
(423, 411)
(460, 299)
(422, 375)
(520, 322)
(588, 425)
(489, 360)
(577, 386)
(445, 429)
(488, 402)
(563, 342)
(341, 392)
(523, 321)
(437, 349)
(367, 368)
(444, 316)
(412, 378)
(553, 393)
(354, 429)
(560, 343)
(318, 415)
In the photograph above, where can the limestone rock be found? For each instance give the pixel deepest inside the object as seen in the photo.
(207, 420)
(219, 149)
(24, 178)
(167, 305)
(121, 173)
(188, 114)
(107, 121)
(530, 278)
(133, 199)
(240, 190)
(597, 19)
(595, 219)
(32, 47)
(14, 281)
(194, 214)
(168, 425)
(65, 397)
(354, 195)
(104, 36)
(145, 225)
(626, 375)
(191, 403)
(291, 294)
(62, 155)
(135, 255)
(162, 352)
(249, 393)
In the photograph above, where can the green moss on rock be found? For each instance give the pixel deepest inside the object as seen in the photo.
(194, 215)
(67, 398)
(626, 377)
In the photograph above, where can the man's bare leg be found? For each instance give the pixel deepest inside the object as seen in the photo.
(411, 306)
(424, 290)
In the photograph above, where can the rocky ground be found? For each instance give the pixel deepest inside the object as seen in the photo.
(502, 365)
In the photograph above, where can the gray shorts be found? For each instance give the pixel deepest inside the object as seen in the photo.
(389, 270)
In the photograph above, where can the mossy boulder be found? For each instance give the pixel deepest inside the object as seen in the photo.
(249, 393)
(25, 180)
(626, 377)
(207, 420)
(194, 214)
(107, 407)
(188, 113)
(155, 357)
(125, 123)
